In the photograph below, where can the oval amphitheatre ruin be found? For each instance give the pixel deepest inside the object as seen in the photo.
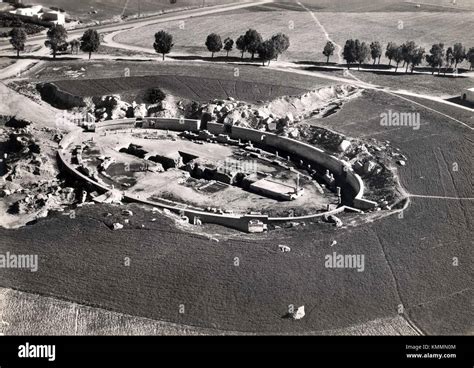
(293, 156)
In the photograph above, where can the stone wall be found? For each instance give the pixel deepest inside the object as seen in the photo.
(305, 151)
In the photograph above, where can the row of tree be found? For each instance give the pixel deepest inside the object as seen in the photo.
(251, 42)
(409, 53)
(56, 40)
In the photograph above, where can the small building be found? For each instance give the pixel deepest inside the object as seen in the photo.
(38, 13)
(53, 16)
(468, 95)
(30, 11)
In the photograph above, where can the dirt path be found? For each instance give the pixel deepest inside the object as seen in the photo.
(326, 34)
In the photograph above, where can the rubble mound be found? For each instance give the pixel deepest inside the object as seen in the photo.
(45, 196)
(281, 115)
(112, 108)
(29, 183)
(313, 103)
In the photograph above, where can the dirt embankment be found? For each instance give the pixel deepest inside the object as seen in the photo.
(58, 98)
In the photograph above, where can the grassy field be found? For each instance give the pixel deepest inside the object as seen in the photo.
(192, 88)
(29, 314)
(195, 81)
(113, 8)
(115, 69)
(424, 28)
(170, 268)
(306, 37)
(383, 5)
(424, 84)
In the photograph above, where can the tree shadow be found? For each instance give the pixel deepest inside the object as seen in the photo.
(233, 59)
(344, 66)
(42, 58)
(318, 63)
(321, 69)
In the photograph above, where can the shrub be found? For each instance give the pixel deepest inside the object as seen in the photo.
(155, 95)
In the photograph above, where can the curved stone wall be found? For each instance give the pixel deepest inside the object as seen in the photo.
(307, 152)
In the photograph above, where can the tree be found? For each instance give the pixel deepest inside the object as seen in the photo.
(155, 95)
(90, 41)
(56, 38)
(214, 43)
(376, 51)
(449, 59)
(328, 50)
(18, 39)
(349, 52)
(228, 45)
(417, 58)
(362, 52)
(75, 45)
(391, 51)
(63, 47)
(459, 54)
(281, 42)
(436, 57)
(252, 40)
(163, 43)
(398, 56)
(408, 50)
(241, 46)
(470, 57)
(267, 51)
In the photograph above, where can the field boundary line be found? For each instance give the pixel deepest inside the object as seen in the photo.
(397, 287)
(441, 197)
